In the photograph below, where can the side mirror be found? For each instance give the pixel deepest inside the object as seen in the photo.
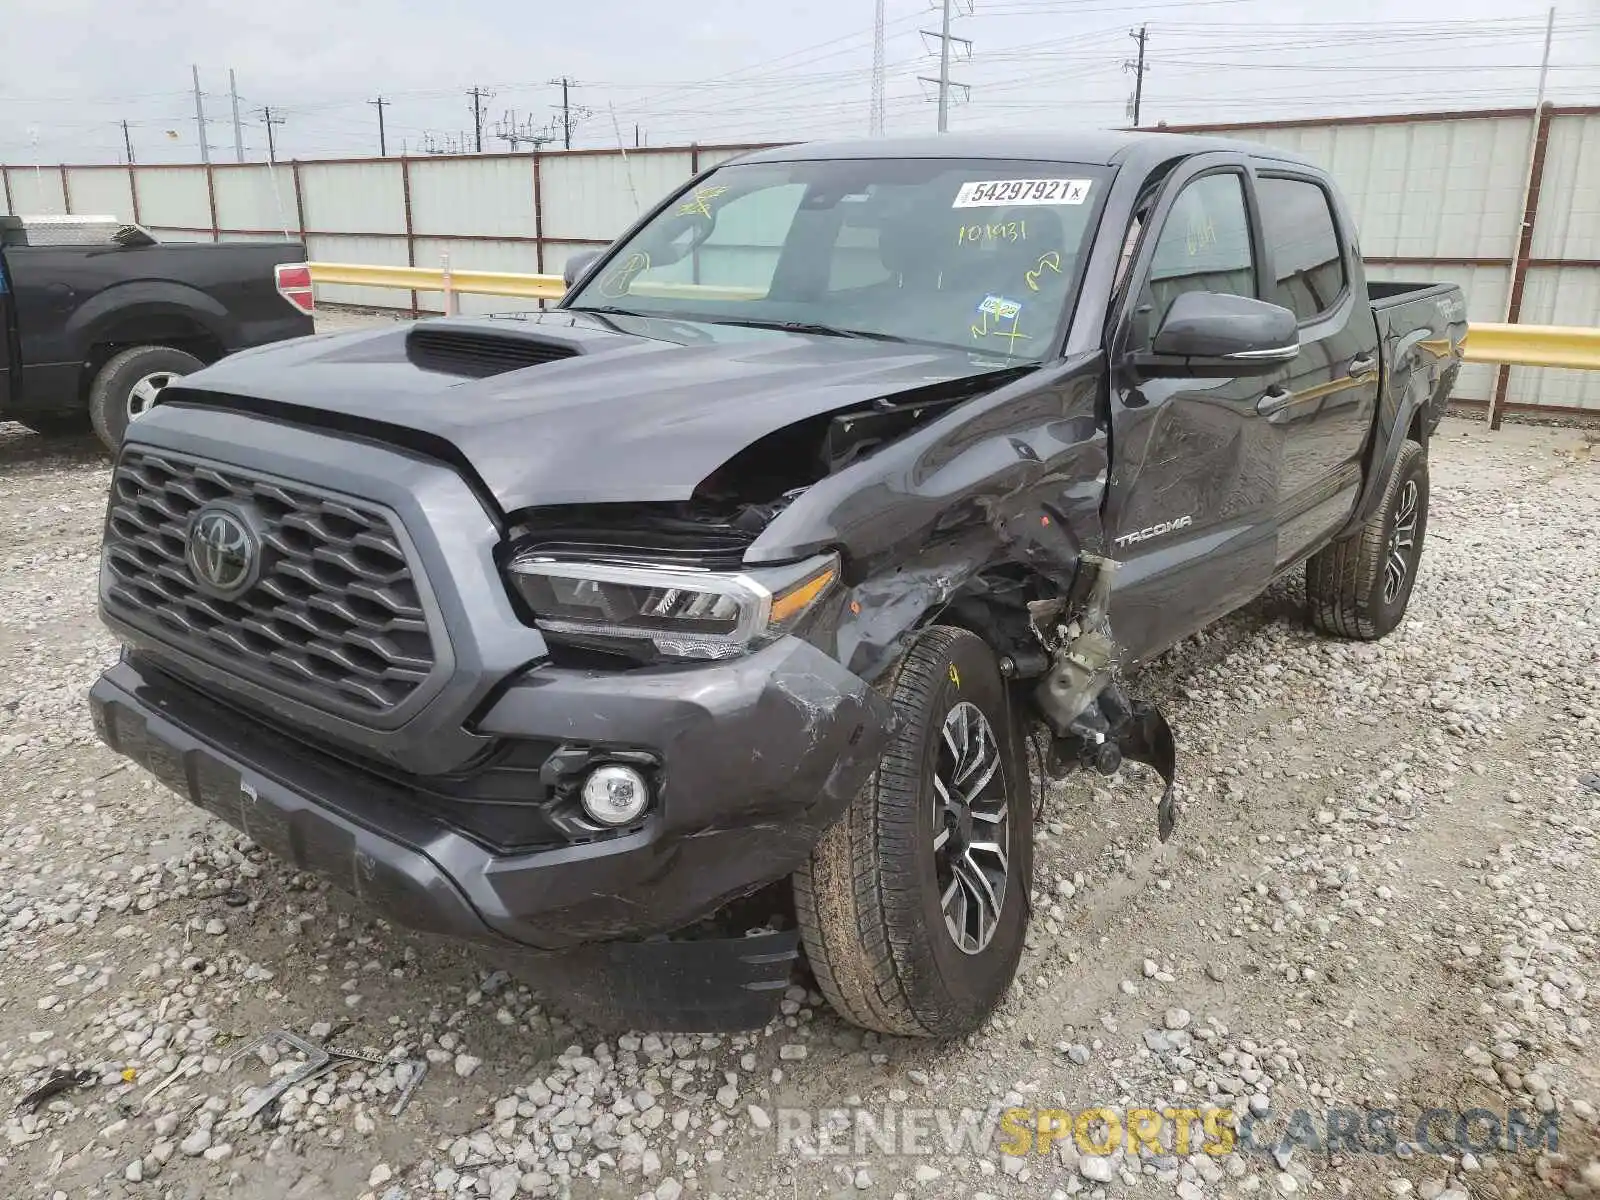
(1212, 333)
(577, 264)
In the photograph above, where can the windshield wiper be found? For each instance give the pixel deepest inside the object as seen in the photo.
(804, 327)
(609, 310)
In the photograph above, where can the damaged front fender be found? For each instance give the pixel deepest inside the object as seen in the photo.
(990, 516)
(1007, 485)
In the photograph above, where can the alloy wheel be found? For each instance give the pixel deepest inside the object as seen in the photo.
(971, 840)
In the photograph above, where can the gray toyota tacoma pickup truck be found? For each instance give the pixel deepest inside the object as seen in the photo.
(731, 586)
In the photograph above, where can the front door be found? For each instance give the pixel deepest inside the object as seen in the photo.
(1189, 510)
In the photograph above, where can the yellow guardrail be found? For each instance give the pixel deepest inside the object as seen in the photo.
(445, 279)
(1534, 345)
(1519, 345)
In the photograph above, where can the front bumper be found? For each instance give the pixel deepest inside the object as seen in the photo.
(758, 757)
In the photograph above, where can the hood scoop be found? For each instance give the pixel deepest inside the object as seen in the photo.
(475, 353)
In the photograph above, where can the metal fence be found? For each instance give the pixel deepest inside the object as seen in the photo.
(491, 212)
(1437, 196)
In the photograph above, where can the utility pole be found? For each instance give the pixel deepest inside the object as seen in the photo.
(269, 121)
(383, 145)
(875, 115)
(944, 82)
(1138, 68)
(570, 114)
(200, 117)
(238, 130)
(1524, 246)
(479, 96)
(127, 140)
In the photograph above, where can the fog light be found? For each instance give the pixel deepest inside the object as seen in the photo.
(615, 795)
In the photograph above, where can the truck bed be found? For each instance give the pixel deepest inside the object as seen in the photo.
(1421, 327)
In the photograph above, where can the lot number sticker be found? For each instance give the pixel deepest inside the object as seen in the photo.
(991, 193)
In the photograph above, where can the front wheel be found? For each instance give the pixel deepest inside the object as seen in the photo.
(129, 385)
(912, 908)
(1359, 588)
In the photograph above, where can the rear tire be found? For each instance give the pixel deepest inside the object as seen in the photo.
(878, 898)
(129, 384)
(1359, 588)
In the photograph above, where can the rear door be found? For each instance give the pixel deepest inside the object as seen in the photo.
(1194, 484)
(1326, 405)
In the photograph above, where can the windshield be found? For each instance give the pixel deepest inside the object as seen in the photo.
(978, 254)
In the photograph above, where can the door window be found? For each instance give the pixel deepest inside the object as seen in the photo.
(1203, 247)
(1298, 224)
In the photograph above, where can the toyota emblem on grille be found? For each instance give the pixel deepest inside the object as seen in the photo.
(224, 552)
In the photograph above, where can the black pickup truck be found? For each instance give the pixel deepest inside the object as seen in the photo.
(729, 588)
(96, 317)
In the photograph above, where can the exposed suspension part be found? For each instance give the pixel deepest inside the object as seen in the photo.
(1094, 724)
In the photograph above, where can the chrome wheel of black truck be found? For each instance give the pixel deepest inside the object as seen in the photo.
(129, 385)
(913, 907)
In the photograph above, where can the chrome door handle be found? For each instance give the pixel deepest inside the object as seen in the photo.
(1274, 401)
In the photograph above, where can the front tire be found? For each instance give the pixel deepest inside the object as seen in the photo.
(912, 908)
(129, 385)
(1359, 588)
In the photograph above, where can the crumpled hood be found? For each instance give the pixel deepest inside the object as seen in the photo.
(636, 415)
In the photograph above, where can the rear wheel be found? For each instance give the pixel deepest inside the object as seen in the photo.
(1359, 588)
(130, 384)
(913, 906)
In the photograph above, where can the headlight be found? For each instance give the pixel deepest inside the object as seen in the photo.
(685, 614)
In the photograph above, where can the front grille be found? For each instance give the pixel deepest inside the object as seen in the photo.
(477, 355)
(336, 617)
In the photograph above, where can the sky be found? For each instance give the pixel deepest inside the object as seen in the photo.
(727, 71)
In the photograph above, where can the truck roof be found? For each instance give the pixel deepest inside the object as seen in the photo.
(1094, 147)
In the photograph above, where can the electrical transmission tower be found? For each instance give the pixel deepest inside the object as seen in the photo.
(946, 39)
(875, 117)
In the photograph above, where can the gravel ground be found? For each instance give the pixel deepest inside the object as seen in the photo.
(1382, 895)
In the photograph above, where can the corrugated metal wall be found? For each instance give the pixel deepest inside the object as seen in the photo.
(1439, 197)
(101, 190)
(1436, 197)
